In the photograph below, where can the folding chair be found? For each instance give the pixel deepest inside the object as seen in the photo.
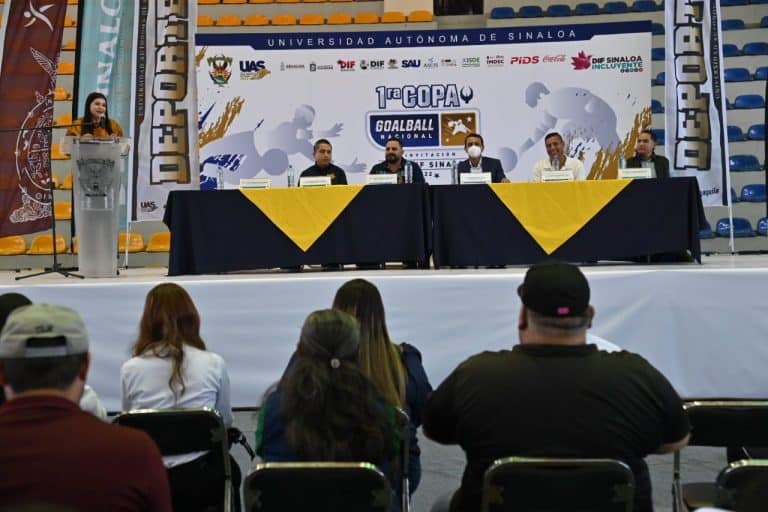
(177, 431)
(721, 423)
(336, 486)
(403, 427)
(594, 485)
(743, 486)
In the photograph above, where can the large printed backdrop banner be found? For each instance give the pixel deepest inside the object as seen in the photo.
(165, 115)
(695, 119)
(265, 98)
(30, 58)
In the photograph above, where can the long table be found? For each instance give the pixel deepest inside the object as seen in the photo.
(222, 231)
(473, 227)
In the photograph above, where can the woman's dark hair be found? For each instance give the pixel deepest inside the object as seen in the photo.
(379, 358)
(170, 321)
(331, 410)
(89, 123)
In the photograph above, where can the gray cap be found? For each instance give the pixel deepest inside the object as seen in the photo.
(43, 330)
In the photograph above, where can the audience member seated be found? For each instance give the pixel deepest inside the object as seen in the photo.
(554, 395)
(54, 454)
(171, 369)
(395, 370)
(324, 408)
(90, 400)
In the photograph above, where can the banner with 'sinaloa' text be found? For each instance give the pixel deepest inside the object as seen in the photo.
(29, 61)
(265, 98)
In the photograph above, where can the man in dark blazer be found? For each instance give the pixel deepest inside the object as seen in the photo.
(645, 156)
(473, 145)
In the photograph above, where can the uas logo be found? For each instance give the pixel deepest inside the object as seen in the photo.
(220, 72)
(581, 61)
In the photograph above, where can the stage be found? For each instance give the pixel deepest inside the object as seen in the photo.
(704, 326)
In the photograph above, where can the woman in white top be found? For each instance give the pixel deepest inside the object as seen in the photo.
(171, 368)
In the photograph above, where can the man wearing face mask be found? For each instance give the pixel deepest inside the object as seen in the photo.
(645, 156)
(557, 160)
(394, 163)
(473, 145)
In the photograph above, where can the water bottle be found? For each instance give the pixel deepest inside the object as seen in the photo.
(555, 163)
(408, 172)
(622, 161)
(290, 175)
(454, 173)
(219, 177)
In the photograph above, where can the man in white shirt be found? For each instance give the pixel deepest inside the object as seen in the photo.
(558, 160)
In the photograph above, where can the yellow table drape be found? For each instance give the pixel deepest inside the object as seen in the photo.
(553, 212)
(303, 214)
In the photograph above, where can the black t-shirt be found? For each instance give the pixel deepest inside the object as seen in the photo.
(338, 177)
(416, 175)
(557, 401)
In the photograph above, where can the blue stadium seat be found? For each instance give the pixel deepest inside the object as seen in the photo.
(743, 163)
(764, 22)
(762, 226)
(727, 3)
(731, 50)
(755, 48)
(749, 101)
(756, 132)
(758, 1)
(658, 54)
(657, 107)
(735, 134)
(734, 197)
(530, 11)
(660, 78)
(733, 24)
(741, 228)
(728, 104)
(660, 136)
(705, 233)
(737, 75)
(644, 6)
(753, 193)
(761, 73)
(501, 13)
(615, 7)
(589, 9)
(558, 10)
(657, 29)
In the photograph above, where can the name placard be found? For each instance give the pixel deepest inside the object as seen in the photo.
(315, 181)
(381, 179)
(474, 178)
(556, 176)
(633, 173)
(255, 183)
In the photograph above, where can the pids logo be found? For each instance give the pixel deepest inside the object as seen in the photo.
(346, 65)
(525, 59)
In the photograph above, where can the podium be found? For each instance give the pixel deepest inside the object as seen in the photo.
(97, 173)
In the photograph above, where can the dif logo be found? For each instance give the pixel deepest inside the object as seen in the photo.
(524, 60)
(251, 66)
(346, 65)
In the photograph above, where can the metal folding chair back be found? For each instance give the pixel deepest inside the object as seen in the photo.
(550, 484)
(177, 431)
(743, 486)
(336, 486)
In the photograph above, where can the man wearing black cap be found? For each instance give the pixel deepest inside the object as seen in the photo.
(554, 395)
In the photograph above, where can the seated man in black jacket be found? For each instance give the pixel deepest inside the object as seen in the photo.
(645, 156)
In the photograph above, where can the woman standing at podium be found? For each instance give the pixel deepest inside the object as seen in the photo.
(96, 122)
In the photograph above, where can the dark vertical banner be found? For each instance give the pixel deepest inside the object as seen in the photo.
(30, 57)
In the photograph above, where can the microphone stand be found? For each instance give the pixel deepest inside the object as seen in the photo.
(56, 268)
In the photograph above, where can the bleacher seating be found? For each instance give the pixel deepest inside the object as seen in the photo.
(753, 193)
(644, 6)
(159, 242)
(559, 10)
(615, 7)
(43, 244)
(743, 163)
(732, 24)
(730, 50)
(761, 73)
(749, 101)
(502, 13)
(660, 135)
(735, 134)
(764, 22)
(657, 29)
(255, 20)
(420, 16)
(705, 233)
(13, 245)
(737, 75)
(658, 54)
(762, 226)
(342, 18)
(311, 19)
(756, 132)
(660, 78)
(284, 19)
(392, 17)
(587, 9)
(530, 11)
(755, 48)
(67, 183)
(133, 241)
(742, 228)
(62, 210)
(734, 196)
(657, 107)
